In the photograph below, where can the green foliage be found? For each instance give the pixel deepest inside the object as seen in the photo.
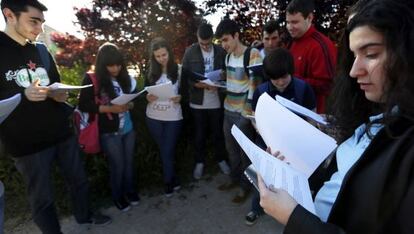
(73, 76)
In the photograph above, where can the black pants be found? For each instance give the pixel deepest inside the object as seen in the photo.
(205, 122)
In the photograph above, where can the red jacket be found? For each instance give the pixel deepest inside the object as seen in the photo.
(315, 59)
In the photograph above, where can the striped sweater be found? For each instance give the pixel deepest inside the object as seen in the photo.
(240, 86)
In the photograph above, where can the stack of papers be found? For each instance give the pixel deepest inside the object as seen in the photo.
(163, 91)
(212, 78)
(303, 146)
(125, 98)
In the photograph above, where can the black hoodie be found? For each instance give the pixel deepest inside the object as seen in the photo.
(32, 126)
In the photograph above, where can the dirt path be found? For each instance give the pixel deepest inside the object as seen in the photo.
(197, 208)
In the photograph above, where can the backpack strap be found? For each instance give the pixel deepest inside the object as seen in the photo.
(246, 60)
(44, 54)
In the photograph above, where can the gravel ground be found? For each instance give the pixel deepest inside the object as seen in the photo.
(199, 207)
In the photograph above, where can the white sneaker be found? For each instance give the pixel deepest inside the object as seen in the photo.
(224, 167)
(198, 171)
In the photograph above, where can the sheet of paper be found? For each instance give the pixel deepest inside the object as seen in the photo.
(303, 145)
(7, 106)
(163, 91)
(58, 85)
(300, 110)
(275, 172)
(125, 98)
(214, 75)
(215, 84)
(257, 69)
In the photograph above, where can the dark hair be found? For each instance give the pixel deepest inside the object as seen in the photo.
(109, 54)
(270, 27)
(349, 107)
(227, 26)
(205, 31)
(278, 63)
(155, 69)
(18, 6)
(305, 7)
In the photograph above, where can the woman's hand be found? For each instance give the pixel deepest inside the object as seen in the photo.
(276, 202)
(151, 97)
(176, 99)
(276, 154)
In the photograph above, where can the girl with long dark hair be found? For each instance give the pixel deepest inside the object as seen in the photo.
(116, 131)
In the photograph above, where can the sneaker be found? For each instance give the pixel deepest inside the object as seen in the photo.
(98, 219)
(133, 199)
(198, 171)
(240, 197)
(224, 167)
(122, 204)
(251, 218)
(169, 190)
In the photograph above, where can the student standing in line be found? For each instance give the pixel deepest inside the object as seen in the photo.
(237, 105)
(164, 117)
(206, 108)
(314, 53)
(280, 82)
(370, 185)
(37, 134)
(116, 131)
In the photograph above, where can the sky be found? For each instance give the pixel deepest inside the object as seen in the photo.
(60, 15)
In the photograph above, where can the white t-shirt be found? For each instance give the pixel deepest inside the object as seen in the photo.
(166, 110)
(211, 98)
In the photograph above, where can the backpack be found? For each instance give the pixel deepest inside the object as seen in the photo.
(87, 124)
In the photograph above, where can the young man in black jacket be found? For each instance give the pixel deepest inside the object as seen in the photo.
(205, 103)
(38, 132)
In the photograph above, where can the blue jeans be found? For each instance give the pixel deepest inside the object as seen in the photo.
(1, 207)
(165, 134)
(237, 158)
(206, 121)
(36, 171)
(119, 148)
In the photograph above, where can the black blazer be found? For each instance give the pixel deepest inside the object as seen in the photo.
(193, 62)
(377, 194)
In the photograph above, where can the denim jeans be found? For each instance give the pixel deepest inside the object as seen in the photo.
(36, 171)
(1, 207)
(165, 134)
(237, 158)
(119, 148)
(255, 205)
(208, 121)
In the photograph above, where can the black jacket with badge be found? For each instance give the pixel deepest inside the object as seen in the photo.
(377, 193)
(193, 62)
(32, 126)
